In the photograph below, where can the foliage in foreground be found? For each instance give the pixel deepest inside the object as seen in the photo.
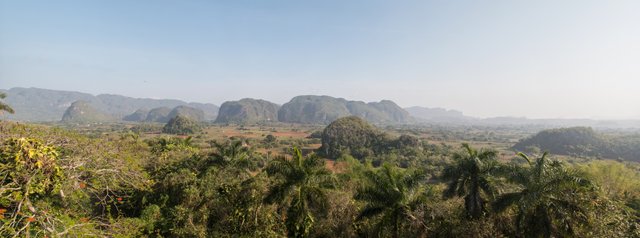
(393, 198)
(300, 188)
(57, 183)
(550, 200)
(471, 177)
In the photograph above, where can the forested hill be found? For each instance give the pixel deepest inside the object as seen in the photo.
(583, 141)
(35, 104)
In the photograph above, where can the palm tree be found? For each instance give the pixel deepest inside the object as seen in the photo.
(392, 195)
(3, 106)
(469, 177)
(547, 203)
(231, 153)
(301, 186)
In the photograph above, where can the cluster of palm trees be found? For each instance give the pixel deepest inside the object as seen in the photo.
(543, 195)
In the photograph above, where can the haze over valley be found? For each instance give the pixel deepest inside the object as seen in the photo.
(359, 118)
(44, 105)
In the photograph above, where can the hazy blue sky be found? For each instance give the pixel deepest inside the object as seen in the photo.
(560, 59)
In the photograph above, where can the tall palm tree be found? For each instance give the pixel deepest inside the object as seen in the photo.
(469, 177)
(548, 202)
(391, 195)
(300, 187)
(4, 106)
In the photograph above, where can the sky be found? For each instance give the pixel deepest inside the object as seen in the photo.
(536, 59)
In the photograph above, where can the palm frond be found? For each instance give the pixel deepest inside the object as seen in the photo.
(368, 212)
(486, 186)
(277, 193)
(451, 189)
(506, 200)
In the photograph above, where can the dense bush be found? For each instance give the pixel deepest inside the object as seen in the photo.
(56, 183)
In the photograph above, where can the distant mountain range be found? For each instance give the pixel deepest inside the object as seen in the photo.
(35, 104)
(438, 115)
(452, 117)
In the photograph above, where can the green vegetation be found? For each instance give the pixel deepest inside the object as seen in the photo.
(393, 199)
(351, 135)
(550, 201)
(181, 125)
(354, 136)
(128, 180)
(301, 187)
(470, 177)
(30, 173)
(58, 184)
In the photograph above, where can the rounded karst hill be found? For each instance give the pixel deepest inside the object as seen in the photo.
(352, 135)
(247, 110)
(313, 110)
(186, 111)
(181, 125)
(576, 141)
(81, 111)
(384, 111)
(391, 110)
